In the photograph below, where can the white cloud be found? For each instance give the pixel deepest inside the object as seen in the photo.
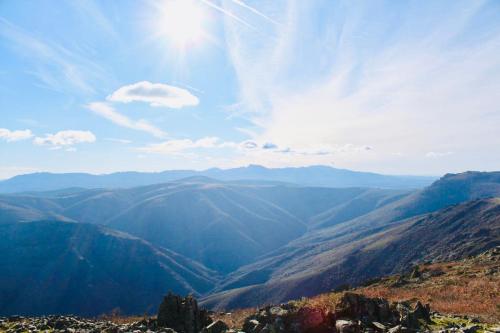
(17, 135)
(156, 94)
(181, 145)
(55, 66)
(349, 84)
(65, 139)
(433, 154)
(123, 141)
(107, 111)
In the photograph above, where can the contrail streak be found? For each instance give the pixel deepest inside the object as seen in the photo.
(255, 11)
(228, 13)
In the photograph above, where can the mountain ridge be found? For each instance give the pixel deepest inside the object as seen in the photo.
(306, 176)
(312, 261)
(204, 219)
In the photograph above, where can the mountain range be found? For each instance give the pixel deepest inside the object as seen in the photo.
(236, 243)
(308, 176)
(223, 225)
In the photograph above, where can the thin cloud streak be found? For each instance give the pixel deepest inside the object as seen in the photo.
(106, 111)
(254, 10)
(54, 65)
(229, 14)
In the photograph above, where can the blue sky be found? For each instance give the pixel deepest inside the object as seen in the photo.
(401, 87)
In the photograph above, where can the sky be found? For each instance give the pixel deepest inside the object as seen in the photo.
(395, 87)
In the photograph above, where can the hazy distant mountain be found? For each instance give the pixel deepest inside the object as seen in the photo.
(224, 225)
(310, 176)
(380, 242)
(452, 233)
(60, 267)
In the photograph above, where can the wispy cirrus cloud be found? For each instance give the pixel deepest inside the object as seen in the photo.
(108, 112)
(122, 141)
(155, 94)
(434, 154)
(254, 10)
(180, 145)
(92, 9)
(65, 139)
(422, 87)
(54, 65)
(16, 135)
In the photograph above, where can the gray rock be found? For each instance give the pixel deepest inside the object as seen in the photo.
(346, 326)
(216, 327)
(250, 325)
(379, 326)
(182, 314)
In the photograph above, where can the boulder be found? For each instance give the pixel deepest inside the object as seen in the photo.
(216, 327)
(250, 325)
(379, 326)
(182, 314)
(347, 326)
(413, 317)
(356, 306)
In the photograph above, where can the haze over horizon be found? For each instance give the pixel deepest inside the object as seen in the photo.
(393, 88)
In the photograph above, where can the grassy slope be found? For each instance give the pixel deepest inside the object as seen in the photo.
(458, 290)
(310, 268)
(466, 287)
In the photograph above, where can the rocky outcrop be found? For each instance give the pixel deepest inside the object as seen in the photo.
(353, 313)
(182, 314)
(16, 324)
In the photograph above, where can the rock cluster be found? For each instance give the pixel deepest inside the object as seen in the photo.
(73, 324)
(182, 314)
(354, 313)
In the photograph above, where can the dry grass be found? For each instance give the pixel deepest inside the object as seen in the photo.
(119, 319)
(470, 287)
(234, 319)
(464, 288)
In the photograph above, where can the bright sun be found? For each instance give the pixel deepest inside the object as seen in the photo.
(182, 22)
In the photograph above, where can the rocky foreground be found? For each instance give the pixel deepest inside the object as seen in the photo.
(354, 313)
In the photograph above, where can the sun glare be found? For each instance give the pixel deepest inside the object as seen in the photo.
(181, 22)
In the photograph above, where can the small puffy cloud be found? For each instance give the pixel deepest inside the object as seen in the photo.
(107, 111)
(433, 154)
(249, 145)
(65, 139)
(269, 145)
(18, 135)
(156, 94)
(180, 145)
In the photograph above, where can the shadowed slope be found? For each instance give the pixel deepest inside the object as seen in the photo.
(60, 267)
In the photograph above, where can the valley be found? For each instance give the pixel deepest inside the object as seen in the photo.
(234, 244)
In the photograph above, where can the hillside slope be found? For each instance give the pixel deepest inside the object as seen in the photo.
(468, 287)
(60, 267)
(310, 266)
(224, 225)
